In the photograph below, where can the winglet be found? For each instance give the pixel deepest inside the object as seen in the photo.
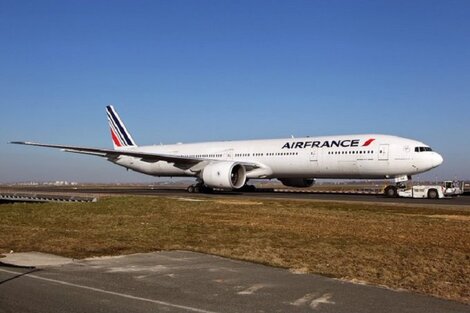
(119, 134)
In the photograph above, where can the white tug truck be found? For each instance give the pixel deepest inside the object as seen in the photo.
(446, 190)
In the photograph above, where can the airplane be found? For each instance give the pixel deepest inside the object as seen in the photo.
(295, 162)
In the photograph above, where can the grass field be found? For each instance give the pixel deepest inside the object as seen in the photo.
(415, 248)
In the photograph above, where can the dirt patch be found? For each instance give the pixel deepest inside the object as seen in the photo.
(237, 202)
(465, 218)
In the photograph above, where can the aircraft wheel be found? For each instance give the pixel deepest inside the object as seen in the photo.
(432, 194)
(197, 189)
(250, 188)
(391, 192)
(206, 189)
(247, 188)
(190, 189)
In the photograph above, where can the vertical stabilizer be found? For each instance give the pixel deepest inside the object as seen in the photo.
(119, 134)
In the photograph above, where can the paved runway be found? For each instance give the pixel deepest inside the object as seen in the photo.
(175, 191)
(181, 281)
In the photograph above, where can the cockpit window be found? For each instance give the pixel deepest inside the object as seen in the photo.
(422, 149)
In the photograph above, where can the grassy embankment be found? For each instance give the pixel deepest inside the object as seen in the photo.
(420, 249)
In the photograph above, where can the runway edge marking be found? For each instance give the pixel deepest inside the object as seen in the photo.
(164, 303)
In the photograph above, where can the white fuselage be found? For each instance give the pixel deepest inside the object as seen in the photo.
(367, 156)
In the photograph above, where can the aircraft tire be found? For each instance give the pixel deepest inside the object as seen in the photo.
(247, 188)
(251, 188)
(190, 189)
(206, 189)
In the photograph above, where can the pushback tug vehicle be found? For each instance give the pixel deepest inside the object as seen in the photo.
(446, 190)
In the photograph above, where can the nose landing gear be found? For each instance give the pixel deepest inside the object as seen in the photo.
(391, 191)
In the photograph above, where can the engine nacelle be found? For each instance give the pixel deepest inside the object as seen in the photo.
(297, 182)
(227, 175)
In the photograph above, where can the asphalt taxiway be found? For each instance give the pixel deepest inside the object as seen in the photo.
(299, 195)
(181, 281)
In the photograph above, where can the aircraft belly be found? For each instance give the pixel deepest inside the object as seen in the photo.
(304, 167)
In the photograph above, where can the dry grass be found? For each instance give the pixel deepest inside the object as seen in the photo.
(420, 249)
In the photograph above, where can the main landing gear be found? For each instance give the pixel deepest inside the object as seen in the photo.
(199, 188)
(248, 188)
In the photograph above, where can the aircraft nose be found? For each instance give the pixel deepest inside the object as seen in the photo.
(437, 159)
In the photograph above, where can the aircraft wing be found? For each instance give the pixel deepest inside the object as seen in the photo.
(145, 156)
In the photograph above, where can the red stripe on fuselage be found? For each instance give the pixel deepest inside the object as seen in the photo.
(368, 142)
(115, 138)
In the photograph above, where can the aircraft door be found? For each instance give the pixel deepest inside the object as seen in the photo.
(228, 154)
(383, 152)
(314, 155)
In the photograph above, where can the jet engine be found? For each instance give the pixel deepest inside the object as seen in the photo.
(297, 182)
(227, 175)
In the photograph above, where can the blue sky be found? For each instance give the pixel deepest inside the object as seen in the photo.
(208, 70)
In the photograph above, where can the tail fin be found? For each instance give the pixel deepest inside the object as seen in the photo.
(119, 134)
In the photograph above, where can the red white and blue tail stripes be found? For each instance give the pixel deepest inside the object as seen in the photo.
(119, 133)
